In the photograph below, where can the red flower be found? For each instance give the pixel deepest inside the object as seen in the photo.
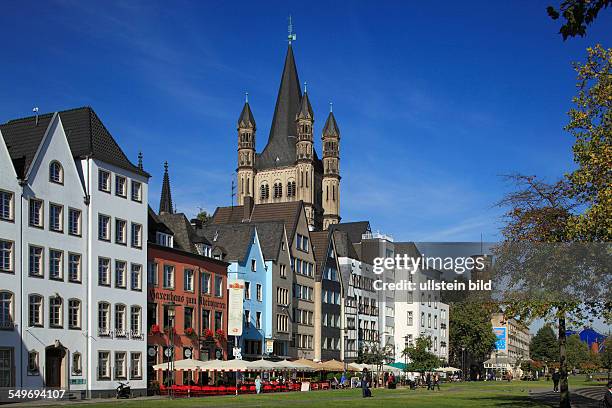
(155, 329)
(209, 334)
(220, 334)
(189, 331)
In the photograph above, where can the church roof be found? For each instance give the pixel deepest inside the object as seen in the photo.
(305, 108)
(331, 127)
(165, 201)
(246, 118)
(84, 130)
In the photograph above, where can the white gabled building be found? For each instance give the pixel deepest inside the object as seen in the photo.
(73, 290)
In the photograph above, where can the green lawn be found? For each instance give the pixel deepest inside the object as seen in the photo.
(481, 395)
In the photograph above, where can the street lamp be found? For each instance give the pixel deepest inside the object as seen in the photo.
(171, 314)
(463, 362)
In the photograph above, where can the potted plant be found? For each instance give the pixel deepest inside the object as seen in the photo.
(209, 334)
(170, 329)
(189, 332)
(155, 330)
(220, 335)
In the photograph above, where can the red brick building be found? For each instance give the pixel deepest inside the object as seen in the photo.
(187, 294)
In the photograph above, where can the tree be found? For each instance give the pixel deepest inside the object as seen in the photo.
(203, 216)
(470, 328)
(591, 125)
(373, 353)
(577, 352)
(544, 346)
(606, 356)
(421, 359)
(577, 14)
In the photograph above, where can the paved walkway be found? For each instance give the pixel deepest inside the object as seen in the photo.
(588, 397)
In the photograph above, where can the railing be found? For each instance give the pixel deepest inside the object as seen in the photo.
(377, 235)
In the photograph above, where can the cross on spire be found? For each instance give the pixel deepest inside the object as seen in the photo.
(246, 97)
(291, 36)
(305, 83)
(331, 107)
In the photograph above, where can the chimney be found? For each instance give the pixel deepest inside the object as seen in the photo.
(248, 208)
(196, 223)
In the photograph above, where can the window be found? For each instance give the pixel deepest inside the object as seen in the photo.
(135, 365)
(74, 267)
(103, 365)
(55, 311)
(258, 320)
(429, 320)
(302, 243)
(247, 317)
(188, 280)
(56, 173)
(103, 227)
(247, 290)
(104, 181)
(205, 319)
(33, 363)
(409, 319)
(35, 312)
(120, 370)
(218, 320)
(291, 189)
(164, 239)
(56, 217)
(168, 276)
(77, 365)
(283, 271)
(6, 205)
(259, 292)
(120, 320)
(205, 283)
(74, 221)
(103, 319)
(188, 320)
(6, 256)
(74, 314)
(104, 271)
(264, 192)
(152, 276)
(6, 310)
(422, 319)
(120, 186)
(36, 261)
(136, 277)
(278, 190)
(120, 274)
(282, 323)
(6, 367)
(253, 265)
(36, 213)
(135, 313)
(56, 264)
(218, 286)
(136, 191)
(120, 231)
(136, 235)
(435, 322)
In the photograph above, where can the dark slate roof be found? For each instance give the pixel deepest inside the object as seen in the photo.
(344, 247)
(84, 130)
(270, 235)
(165, 200)
(156, 225)
(305, 108)
(354, 229)
(233, 240)
(331, 127)
(283, 132)
(320, 244)
(246, 118)
(185, 236)
(287, 213)
(408, 248)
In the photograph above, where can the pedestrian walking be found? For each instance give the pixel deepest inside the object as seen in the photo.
(258, 385)
(428, 381)
(436, 382)
(556, 376)
(365, 389)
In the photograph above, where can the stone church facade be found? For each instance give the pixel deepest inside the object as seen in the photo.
(288, 168)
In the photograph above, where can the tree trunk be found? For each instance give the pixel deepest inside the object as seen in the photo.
(563, 386)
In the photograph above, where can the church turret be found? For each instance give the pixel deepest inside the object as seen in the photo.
(246, 152)
(331, 171)
(304, 120)
(165, 201)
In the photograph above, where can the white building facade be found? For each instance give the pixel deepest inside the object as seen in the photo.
(77, 234)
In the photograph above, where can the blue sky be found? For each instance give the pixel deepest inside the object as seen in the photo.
(434, 101)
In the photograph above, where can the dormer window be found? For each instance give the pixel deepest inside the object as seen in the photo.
(164, 239)
(56, 173)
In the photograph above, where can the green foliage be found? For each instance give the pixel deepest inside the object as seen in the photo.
(606, 356)
(373, 353)
(470, 327)
(591, 125)
(544, 345)
(577, 352)
(203, 216)
(577, 14)
(421, 359)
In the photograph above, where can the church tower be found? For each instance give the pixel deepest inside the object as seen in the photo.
(246, 152)
(165, 201)
(305, 157)
(331, 171)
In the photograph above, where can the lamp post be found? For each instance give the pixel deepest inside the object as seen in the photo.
(171, 314)
(463, 362)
